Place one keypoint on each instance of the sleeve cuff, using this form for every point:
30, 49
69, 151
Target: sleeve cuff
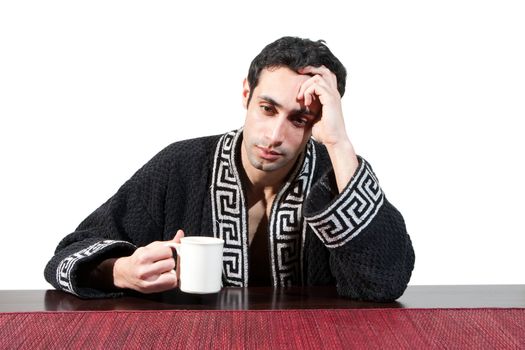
350, 212
66, 271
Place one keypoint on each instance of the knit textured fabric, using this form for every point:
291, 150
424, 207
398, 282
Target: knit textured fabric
355, 240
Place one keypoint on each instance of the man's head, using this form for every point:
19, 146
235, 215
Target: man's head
296, 53
279, 124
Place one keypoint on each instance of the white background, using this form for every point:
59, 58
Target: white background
90, 91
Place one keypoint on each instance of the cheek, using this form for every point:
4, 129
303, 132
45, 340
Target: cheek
297, 138
251, 120
252, 126
255, 122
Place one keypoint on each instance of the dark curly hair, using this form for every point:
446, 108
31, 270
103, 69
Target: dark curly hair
296, 53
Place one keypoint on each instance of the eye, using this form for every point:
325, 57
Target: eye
267, 109
300, 122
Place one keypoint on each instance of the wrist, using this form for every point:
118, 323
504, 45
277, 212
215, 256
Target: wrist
342, 145
118, 272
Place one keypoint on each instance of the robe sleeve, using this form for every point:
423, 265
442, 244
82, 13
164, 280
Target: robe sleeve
132, 217
371, 254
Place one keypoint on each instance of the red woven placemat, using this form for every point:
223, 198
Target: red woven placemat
278, 329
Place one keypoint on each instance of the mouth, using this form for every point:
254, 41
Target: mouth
268, 153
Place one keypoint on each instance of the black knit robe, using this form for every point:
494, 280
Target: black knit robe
355, 240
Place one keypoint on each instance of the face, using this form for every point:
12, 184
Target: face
278, 125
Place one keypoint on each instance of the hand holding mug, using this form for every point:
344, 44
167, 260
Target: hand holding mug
149, 269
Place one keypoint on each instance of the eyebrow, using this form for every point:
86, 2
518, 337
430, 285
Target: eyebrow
304, 111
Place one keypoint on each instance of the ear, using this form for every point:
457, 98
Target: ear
245, 93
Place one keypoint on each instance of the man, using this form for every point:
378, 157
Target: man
293, 202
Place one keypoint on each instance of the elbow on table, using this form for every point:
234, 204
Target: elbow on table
382, 293
378, 284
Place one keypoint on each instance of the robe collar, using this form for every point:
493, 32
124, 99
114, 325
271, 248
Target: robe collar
286, 224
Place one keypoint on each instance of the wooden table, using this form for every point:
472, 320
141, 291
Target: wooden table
464, 317
262, 298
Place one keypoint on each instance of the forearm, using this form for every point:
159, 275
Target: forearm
378, 263
344, 162
371, 255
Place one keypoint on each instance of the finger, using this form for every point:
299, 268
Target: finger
156, 251
304, 86
308, 98
316, 79
176, 239
163, 282
322, 70
178, 236
313, 92
327, 74
168, 279
149, 272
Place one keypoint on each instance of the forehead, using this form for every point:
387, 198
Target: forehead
280, 81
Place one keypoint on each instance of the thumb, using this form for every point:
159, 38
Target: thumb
178, 236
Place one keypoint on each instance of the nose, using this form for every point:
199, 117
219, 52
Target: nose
277, 131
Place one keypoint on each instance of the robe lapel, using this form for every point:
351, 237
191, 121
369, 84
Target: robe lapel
286, 227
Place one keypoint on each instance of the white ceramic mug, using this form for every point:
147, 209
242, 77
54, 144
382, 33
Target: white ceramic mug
200, 264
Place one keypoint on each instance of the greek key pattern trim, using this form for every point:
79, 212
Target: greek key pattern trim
67, 264
287, 225
352, 211
228, 211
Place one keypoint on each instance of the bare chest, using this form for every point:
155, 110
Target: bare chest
258, 217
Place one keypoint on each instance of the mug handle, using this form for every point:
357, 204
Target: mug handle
177, 248
174, 245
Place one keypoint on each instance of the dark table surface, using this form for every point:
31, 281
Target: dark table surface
262, 298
